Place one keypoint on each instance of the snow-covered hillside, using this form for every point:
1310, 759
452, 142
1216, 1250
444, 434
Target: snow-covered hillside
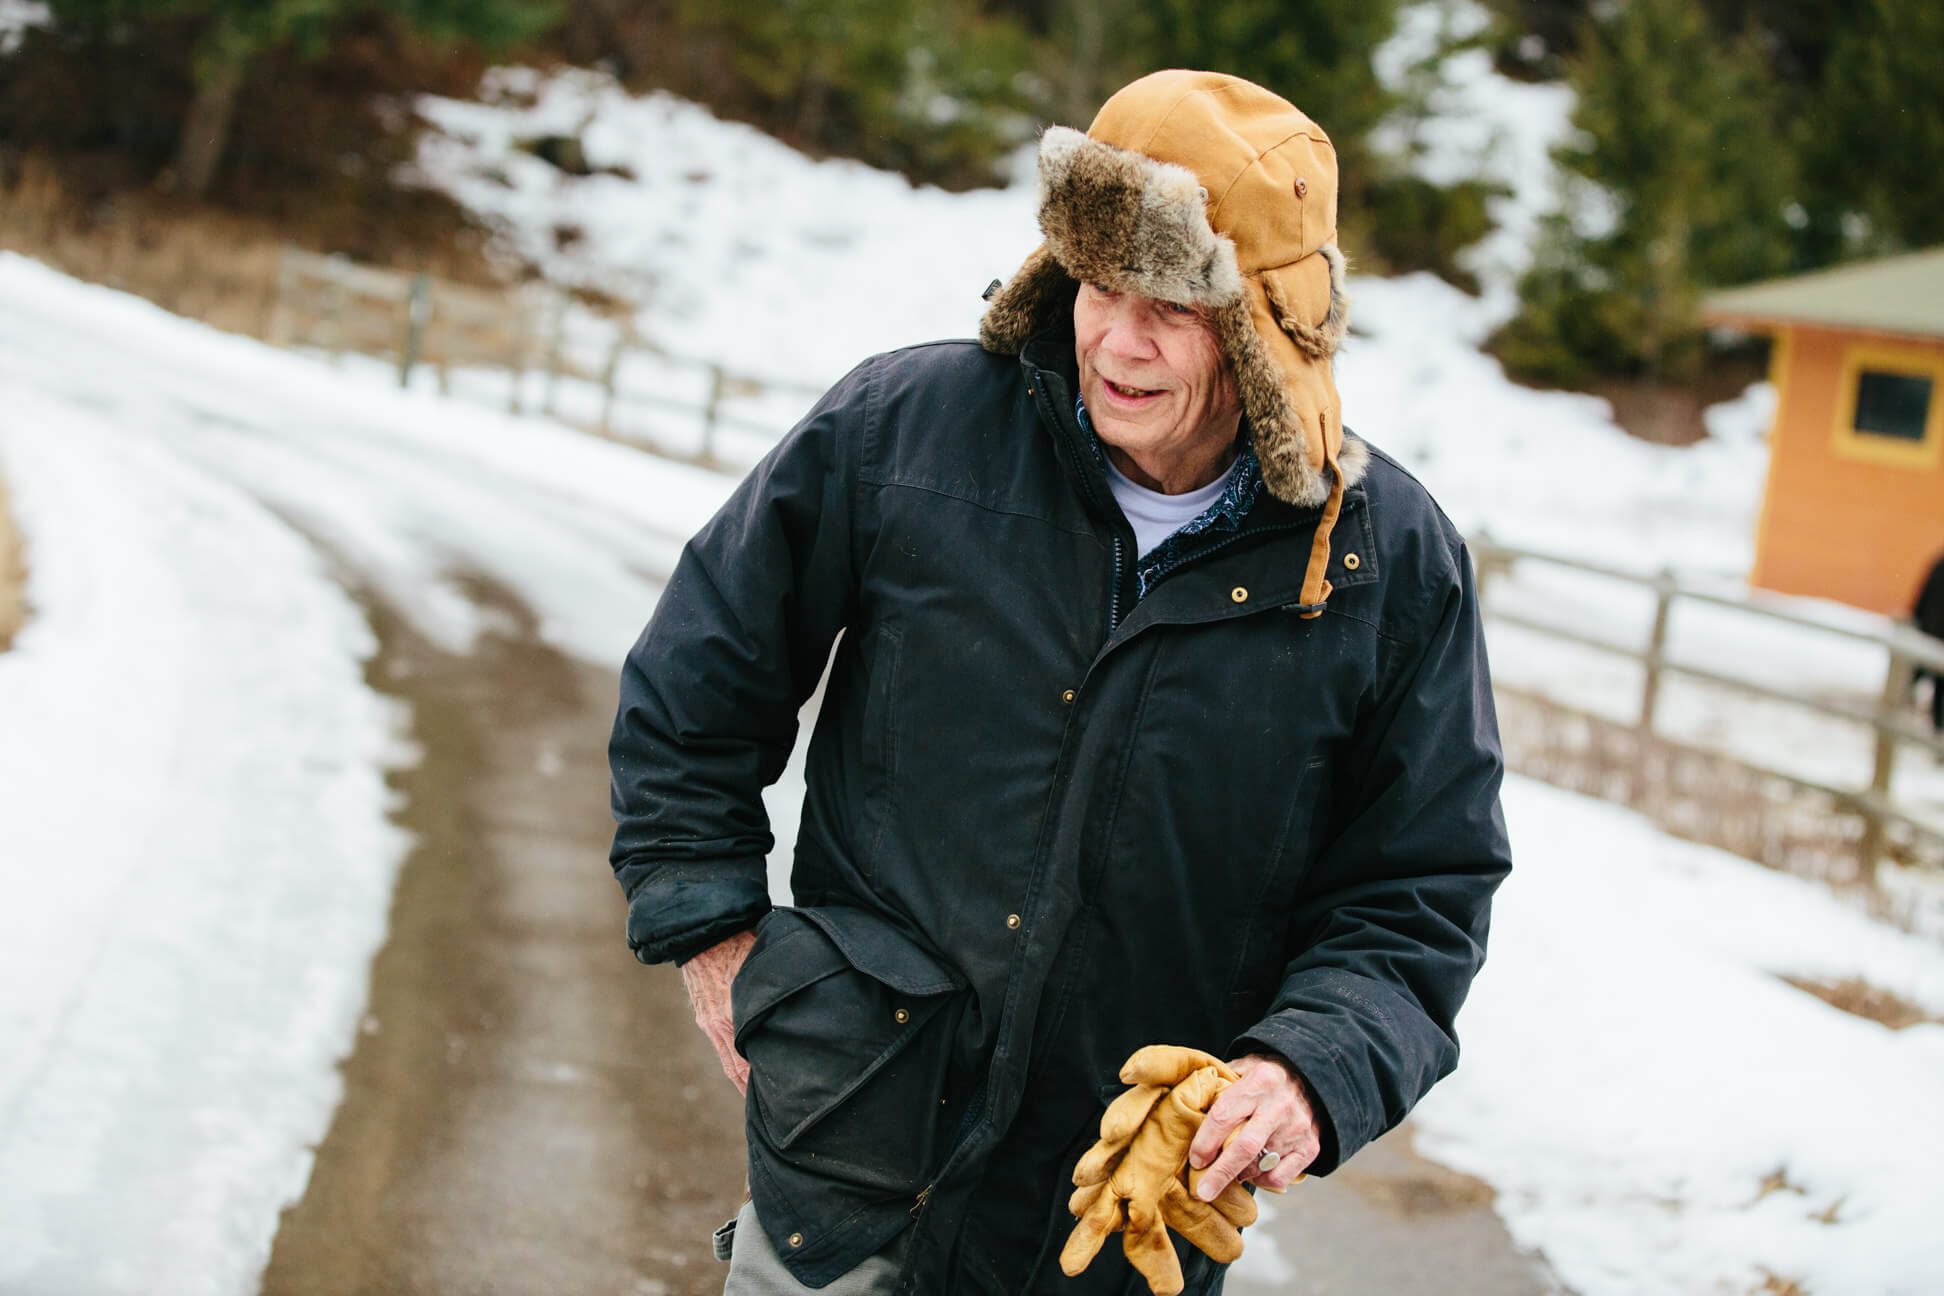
752, 256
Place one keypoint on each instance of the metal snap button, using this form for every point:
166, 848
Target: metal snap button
1012, 921
902, 1016
1302, 187
796, 1239
1352, 562
1067, 697
1239, 594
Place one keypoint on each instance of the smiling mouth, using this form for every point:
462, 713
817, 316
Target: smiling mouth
1131, 393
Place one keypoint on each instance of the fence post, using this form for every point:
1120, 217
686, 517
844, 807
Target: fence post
717, 381
333, 307
516, 359
418, 306
556, 331
279, 330
1481, 567
1656, 648
609, 373
1896, 692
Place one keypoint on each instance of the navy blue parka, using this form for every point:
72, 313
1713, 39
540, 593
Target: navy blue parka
1047, 823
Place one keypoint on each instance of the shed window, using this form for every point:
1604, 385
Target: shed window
1895, 405
1888, 411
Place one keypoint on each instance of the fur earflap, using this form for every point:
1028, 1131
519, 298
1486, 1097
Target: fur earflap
1318, 342
1025, 303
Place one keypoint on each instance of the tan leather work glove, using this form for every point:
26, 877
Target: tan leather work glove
1132, 1178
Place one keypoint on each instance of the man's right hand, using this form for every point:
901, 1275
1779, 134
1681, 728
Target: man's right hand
708, 977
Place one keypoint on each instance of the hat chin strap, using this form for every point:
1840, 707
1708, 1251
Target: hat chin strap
1316, 590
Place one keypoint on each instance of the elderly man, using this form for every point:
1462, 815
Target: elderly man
1159, 715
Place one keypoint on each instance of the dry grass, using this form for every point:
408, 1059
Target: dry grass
1861, 999
208, 263
13, 575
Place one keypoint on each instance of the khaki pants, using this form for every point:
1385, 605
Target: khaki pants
754, 1269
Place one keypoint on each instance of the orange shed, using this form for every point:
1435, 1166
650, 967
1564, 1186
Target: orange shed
1854, 509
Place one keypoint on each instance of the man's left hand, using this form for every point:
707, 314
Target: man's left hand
1270, 1109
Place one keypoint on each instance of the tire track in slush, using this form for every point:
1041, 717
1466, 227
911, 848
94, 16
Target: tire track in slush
527, 1109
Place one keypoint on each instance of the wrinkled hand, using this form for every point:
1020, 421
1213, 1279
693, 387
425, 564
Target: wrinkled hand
1270, 1108
1131, 1179
708, 977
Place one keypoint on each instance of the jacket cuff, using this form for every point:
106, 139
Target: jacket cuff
672, 918
1339, 1110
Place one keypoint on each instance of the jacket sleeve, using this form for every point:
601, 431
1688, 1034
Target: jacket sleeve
1385, 945
711, 691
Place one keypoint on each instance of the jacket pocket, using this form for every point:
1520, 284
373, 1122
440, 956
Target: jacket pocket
848, 1026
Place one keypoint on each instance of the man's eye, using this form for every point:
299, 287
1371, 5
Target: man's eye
1176, 308
1103, 290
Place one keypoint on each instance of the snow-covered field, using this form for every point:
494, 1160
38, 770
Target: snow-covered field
1658, 1110
194, 812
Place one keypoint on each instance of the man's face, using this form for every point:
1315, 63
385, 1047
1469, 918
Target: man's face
1156, 384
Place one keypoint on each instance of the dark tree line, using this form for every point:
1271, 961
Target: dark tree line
1717, 141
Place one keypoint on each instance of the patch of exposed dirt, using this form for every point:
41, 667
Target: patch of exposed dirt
527, 1109
1410, 1186
1861, 999
1671, 414
13, 575
210, 263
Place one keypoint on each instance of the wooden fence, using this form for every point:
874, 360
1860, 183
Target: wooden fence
1633, 762
529, 334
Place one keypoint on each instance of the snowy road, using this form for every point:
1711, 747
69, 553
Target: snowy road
198, 850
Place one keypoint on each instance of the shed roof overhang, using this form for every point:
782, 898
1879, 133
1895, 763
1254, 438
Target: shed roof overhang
1900, 295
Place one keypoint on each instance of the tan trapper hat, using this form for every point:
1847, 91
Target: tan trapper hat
1208, 190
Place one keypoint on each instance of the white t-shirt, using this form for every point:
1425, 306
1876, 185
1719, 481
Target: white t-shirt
1156, 516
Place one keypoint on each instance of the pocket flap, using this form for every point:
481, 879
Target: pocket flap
877, 949
789, 956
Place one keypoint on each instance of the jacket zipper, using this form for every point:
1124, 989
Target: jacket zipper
924, 1195
1114, 601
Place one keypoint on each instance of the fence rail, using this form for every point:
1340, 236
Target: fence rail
1889, 720
413, 320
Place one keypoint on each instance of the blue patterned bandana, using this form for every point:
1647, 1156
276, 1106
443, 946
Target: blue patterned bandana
1225, 514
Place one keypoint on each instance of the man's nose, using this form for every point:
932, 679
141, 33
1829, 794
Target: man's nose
1128, 334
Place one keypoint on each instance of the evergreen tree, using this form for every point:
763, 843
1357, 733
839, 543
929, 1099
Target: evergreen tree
1675, 182
928, 87
234, 33
1872, 135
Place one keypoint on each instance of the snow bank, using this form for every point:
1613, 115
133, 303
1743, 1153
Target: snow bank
196, 858
1657, 1108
